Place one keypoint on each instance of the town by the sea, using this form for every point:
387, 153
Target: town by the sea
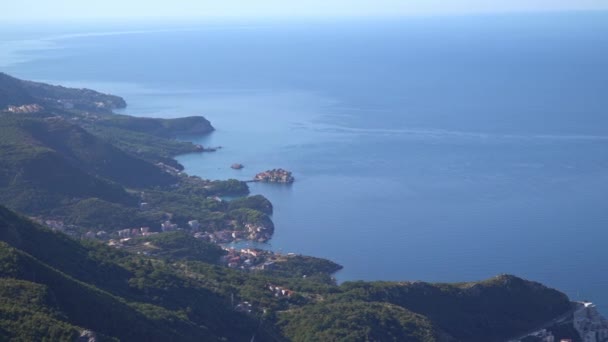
440, 149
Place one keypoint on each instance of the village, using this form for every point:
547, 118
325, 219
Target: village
244, 259
274, 176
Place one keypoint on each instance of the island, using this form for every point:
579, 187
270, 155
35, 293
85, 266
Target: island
275, 176
237, 166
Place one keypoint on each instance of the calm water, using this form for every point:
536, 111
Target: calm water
444, 149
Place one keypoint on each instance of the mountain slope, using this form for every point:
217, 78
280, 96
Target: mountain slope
132, 298
490, 310
49, 161
138, 297
28, 311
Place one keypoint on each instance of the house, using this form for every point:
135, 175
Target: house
125, 233
269, 265
55, 225
250, 251
89, 235
194, 224
167, 226
243, 307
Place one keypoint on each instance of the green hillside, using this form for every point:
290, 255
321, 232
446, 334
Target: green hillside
55, 168
132, 298
76, 166
154, 298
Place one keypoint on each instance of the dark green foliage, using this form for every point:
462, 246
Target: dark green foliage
28, 312
169, 298
168, 128
88, 264
50, 166
133, 299
147, 146
482, 311
245, 215
257, 202
356, 321
87, 306
47, 163
178, 245
38, 179
231, 187
81, 167
80, 149
310, 267
97, 214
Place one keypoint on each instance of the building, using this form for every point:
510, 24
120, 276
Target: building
194, 224
89, 235
125, 233
167, 226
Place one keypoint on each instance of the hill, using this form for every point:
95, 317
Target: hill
89, 168
166, 297
49, 161
95, 175
478, 311
132, 298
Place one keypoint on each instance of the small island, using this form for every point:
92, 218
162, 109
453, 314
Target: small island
275, 176
237, 166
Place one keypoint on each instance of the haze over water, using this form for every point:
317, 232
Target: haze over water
446, 149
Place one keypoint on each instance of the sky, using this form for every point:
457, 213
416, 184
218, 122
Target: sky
51, 10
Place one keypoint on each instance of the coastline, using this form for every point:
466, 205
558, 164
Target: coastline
415, 233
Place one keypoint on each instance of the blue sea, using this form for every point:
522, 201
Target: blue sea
432, 148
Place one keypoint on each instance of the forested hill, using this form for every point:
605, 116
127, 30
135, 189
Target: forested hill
53, 286
130, 254
50, 160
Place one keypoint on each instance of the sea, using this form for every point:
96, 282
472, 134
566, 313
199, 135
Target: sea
441, 149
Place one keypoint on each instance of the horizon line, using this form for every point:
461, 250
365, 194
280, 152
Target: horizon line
257, 18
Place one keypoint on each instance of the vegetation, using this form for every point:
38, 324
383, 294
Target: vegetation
257, 202
97, 214
357, 321
305, 266
52, 167
29, 313
171, 298
177, 246
167, 128
76, 161
147, 146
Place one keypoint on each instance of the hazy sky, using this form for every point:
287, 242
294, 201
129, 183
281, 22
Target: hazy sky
88, 9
